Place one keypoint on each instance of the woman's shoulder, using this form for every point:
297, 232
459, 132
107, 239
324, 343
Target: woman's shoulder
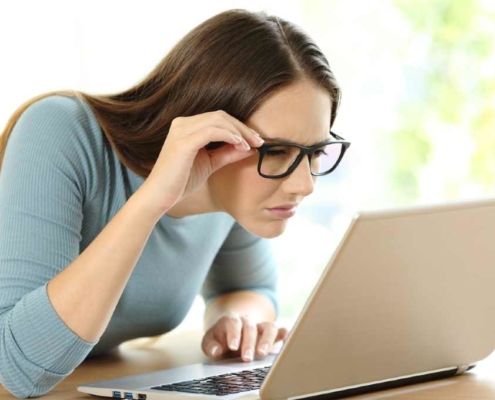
62, 111
63, 131
56, 101
65, 123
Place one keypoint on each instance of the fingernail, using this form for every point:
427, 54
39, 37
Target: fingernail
264, 349
248, 354
258, 137
214, 350
246, 145
237, 138
233, 344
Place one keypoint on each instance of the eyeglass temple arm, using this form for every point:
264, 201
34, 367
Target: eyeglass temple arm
336, 136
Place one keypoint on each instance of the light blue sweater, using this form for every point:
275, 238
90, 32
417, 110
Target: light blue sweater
60, 185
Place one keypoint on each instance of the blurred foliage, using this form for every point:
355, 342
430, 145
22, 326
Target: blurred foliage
454, 88
483, 162
411, 152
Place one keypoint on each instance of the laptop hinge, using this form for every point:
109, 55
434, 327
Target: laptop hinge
461, 369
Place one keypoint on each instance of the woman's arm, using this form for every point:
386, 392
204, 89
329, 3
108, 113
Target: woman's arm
86, 293
54, 302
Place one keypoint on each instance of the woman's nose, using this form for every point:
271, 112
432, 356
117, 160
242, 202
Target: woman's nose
300, 181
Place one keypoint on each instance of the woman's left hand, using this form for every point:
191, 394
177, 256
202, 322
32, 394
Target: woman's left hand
240, 335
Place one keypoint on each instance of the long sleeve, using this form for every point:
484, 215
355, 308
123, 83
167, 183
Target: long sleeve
244, 262
42, 186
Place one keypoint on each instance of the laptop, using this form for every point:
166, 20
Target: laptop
408, 296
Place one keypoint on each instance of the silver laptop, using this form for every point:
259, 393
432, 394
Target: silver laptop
408, 296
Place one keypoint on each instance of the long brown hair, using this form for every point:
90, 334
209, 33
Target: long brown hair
232, 61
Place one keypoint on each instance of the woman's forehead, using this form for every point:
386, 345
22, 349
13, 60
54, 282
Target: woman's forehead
297, 128
300, 114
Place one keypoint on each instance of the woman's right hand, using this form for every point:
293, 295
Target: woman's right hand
184, 164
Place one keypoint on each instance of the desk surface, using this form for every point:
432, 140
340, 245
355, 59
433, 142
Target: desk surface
183, 348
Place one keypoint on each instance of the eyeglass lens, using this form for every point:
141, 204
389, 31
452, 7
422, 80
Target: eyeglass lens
279, 159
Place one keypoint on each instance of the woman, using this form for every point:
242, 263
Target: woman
117, 210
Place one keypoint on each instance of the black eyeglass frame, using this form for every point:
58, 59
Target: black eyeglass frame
303, 151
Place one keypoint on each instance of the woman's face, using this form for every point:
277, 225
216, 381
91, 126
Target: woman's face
300, 114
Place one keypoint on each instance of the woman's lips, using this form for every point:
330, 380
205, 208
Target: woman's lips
285, 212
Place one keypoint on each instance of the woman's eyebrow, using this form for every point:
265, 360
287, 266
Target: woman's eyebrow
276, 139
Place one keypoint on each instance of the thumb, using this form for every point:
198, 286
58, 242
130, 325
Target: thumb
211, 347
283, 334
214, 349
228, 155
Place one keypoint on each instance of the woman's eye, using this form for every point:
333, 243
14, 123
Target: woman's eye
319, 153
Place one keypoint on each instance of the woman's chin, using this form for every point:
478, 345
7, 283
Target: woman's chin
267, 230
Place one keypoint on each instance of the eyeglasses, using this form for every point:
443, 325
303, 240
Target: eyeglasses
278, 160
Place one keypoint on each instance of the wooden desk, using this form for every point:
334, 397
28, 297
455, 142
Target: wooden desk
176, 349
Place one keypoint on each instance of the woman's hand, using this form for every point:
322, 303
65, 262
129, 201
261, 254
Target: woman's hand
239, 335
184, 164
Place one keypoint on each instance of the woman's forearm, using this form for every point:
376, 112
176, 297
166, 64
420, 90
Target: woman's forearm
86, 293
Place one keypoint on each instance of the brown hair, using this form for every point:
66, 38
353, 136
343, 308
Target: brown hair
232, 61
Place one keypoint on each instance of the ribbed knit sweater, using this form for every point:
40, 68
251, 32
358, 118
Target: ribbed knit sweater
60, 185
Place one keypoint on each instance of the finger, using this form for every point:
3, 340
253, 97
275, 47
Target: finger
249, 336
226, 155
248, 133
233, 331
283, 334
215, 134
221, 117
215, 349
267, 334
221, 120
210, 346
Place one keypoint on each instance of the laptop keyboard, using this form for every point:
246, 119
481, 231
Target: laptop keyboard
221, 385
